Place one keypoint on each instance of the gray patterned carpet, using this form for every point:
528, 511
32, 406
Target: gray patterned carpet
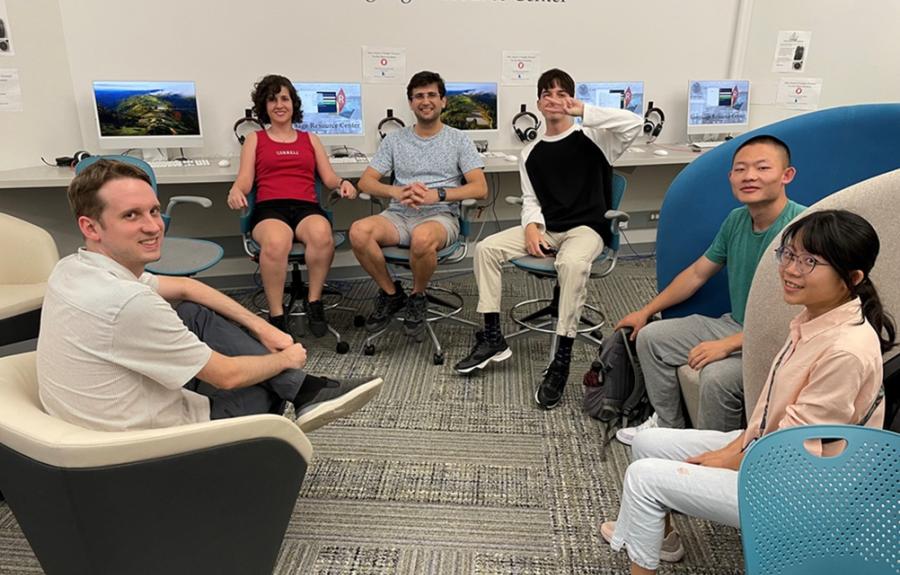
444, 474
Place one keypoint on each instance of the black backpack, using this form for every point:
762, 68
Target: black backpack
614, 390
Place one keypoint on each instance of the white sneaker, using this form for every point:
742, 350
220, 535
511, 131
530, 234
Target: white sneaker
626, 434
672, 550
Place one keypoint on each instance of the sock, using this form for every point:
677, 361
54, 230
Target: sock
492, 325
564, 351
308, 390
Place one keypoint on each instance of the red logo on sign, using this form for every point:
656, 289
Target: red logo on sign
341, 100
383, 62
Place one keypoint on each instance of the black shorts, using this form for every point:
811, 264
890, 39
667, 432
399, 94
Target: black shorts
290, 212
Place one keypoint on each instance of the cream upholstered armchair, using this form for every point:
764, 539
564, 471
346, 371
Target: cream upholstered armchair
212, 497
29, 255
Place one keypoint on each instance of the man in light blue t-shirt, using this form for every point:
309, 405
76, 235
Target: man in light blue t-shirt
761, 168
434, 167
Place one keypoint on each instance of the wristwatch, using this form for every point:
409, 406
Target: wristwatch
442, 195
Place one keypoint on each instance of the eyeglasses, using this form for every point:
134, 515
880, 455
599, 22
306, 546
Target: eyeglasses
419, 96
804, 264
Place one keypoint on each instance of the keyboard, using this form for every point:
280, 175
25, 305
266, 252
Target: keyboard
179, 163
500, 155
350, 160
706, 145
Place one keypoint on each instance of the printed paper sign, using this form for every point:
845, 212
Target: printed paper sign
521, 67
387, 65
791, 51
799, 93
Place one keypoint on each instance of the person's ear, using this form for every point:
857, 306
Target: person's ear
856, 277
788, 176
89, 228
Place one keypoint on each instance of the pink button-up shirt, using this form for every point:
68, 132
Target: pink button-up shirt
829, 371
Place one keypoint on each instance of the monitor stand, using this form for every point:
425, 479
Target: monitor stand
154, 154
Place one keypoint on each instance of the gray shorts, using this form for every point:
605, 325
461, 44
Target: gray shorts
406, 222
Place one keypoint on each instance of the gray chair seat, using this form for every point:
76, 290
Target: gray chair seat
185, 257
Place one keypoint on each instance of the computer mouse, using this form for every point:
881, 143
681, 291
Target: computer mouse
660, 153
511, 158
224, 163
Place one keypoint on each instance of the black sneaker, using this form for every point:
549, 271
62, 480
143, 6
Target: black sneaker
549, 392
315, 318
333, 399
485, 351
279, 321
416, 313
386, 306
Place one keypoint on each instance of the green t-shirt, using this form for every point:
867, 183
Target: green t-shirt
740, 248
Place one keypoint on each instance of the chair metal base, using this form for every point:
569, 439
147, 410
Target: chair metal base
439, 309
545, 319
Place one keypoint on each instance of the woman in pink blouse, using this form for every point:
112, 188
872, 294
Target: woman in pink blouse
829, 371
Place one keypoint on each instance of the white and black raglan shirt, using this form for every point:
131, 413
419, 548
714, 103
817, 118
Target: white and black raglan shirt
567, 178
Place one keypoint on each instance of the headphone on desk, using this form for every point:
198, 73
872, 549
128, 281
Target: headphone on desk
389, 119
530, 133
653, 121
247, 121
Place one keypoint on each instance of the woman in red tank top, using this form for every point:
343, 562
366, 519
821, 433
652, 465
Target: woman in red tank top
282, 163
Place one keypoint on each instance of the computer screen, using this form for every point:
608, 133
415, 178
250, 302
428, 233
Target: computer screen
718, 106
147, 114
621, 95
471, 105
331, 108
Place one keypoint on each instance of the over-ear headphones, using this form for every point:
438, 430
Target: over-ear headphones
653, 121
246, 124
530, 133
389, 119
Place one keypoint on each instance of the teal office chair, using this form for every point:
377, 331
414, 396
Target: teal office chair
298, 292
443, 304
180, 256
807, 515
544, 319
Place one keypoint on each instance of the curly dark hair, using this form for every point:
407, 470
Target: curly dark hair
266, 89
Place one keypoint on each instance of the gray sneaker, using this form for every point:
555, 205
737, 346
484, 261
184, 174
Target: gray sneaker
672, 550
334, 400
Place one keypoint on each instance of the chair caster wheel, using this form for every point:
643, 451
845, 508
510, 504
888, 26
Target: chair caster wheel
343, 347
369, 349
438, 359
359, 321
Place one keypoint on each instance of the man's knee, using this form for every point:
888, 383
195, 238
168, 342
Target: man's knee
424, 242
361, 233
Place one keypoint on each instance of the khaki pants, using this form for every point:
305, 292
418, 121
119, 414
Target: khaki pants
578, 248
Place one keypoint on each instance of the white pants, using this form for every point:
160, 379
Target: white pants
658, 481
578, 248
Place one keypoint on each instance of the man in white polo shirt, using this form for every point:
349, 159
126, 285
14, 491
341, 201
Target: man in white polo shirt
114, 354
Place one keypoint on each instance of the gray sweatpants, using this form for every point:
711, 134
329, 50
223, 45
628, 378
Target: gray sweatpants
228, 339
663, 347
578, 248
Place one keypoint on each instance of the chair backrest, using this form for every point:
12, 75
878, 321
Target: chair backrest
29, 253
802, 514
831, 149
768, 316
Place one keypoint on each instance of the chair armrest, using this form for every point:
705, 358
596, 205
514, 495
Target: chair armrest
616, 216
513, 200
175, 200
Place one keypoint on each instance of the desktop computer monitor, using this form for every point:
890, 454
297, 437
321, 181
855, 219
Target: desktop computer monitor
147, 115
718, 106
331, 108
471, 105
621, 95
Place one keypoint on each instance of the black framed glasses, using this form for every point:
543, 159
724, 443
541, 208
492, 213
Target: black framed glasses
804, 264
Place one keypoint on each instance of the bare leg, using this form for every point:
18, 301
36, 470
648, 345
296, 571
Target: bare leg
638, 570
426, 240
315, 233
274, 238
367, 237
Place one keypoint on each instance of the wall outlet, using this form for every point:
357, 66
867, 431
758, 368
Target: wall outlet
654, 216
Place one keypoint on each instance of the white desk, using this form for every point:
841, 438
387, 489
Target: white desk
53, 177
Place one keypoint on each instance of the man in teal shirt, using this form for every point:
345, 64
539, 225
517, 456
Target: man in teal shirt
761, 168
